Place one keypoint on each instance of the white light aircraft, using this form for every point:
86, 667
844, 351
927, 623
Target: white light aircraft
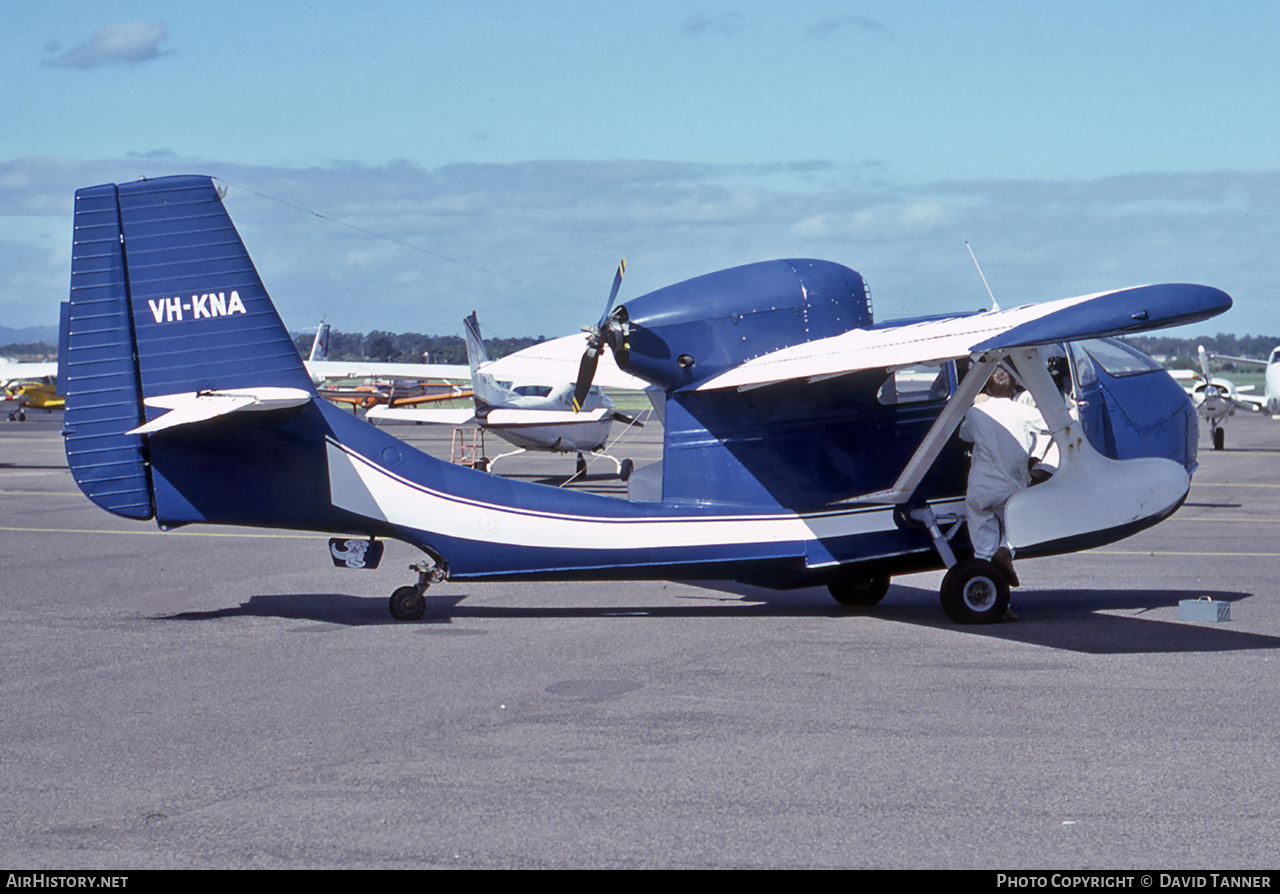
1216, 399
513, 400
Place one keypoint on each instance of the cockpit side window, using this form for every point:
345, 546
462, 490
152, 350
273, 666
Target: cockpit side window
1118, 359
1082, 369
915, 384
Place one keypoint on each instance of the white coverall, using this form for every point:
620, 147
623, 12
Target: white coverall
1003, 433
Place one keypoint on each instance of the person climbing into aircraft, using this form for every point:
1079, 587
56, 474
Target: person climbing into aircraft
1003, 432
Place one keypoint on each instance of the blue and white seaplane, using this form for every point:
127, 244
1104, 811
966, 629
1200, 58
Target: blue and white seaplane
803, 443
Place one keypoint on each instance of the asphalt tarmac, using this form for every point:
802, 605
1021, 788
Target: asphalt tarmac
218, 697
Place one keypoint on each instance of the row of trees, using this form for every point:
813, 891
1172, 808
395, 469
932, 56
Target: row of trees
36, 351
408, 347
1184, 352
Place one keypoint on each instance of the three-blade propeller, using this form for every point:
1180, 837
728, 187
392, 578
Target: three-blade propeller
597, 337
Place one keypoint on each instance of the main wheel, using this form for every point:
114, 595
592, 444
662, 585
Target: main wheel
859, 593
975, 592
625, 469
582, 466
1219, 438
407, 604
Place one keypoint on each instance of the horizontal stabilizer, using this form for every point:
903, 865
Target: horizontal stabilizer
199, 406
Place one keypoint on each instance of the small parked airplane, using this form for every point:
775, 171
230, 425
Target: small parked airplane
799, 447
1271, 384
525, 410
1217, 398
30, 392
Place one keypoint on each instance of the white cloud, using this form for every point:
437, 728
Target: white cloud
532, 246
119, 44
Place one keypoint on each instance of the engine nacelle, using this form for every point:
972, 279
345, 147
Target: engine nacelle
693, 330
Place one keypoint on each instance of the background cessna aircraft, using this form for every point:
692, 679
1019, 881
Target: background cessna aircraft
1216, 398
512, 399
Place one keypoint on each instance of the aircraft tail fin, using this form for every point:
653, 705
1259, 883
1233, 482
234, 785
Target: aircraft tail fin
320, 347
164, 301
477, 356
483, 387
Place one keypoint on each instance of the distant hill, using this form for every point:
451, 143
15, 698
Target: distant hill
45, 334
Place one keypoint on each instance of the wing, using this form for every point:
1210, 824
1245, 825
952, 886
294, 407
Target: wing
381, 415
1247, 361
1102, 314
360, 369
502, 417
556, 361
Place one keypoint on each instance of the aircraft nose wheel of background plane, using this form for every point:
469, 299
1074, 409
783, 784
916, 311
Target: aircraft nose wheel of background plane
1219, 438
859, 593
975, 591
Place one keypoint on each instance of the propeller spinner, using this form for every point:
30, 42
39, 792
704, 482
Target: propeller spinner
597, 337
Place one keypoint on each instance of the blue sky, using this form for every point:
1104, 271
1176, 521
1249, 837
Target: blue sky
510, 153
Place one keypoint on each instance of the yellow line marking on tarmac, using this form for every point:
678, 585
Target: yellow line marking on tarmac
1229, 484
1200, 518
165, 533
1161, 552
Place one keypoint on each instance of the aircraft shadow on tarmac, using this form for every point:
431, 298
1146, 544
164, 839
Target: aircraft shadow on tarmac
1074, 620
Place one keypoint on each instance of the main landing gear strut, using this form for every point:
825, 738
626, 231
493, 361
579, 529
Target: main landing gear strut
410, 603
974, 591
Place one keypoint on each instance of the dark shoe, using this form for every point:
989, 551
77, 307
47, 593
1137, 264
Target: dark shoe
1004, 561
